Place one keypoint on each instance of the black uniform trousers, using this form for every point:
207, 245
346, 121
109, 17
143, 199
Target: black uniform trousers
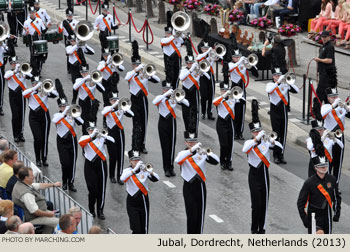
337, 163
95, 173
167, 137
107, 84
195, 196
207, 91
192, 111
172, 69
103, 40
137, 207
18, 109
240, 110
323, 219
2, 85
259, 186
139, 106
225, 129
85, 110
322, 86
116, 151
279, 123
67, 151
36, 61
15, 28
39, 122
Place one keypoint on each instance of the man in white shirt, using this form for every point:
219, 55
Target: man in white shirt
258, 6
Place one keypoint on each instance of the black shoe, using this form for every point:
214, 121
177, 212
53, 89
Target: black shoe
144, 150
1, 112
223, 167
17, 139
74, 101
72, 188
45, 163
64, 187
167, 173
283, 161
93, 213
100, 215
21, 138
236, 137
113, 180
241, 137
277, 160
211, 118
38, 163
229, 166
172, 173
120, 182
203, 116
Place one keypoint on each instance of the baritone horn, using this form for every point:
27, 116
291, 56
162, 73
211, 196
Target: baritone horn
75, 111
236, 93
96, 76
290, 78
117, 59
180, 21
149, 70
84, 30
4, 31
251, 61
25, 68
124, 104
47, 86
178, 95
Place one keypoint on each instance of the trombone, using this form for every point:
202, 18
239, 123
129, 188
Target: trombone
178, 95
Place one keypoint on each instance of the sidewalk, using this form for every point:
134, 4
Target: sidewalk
297, 130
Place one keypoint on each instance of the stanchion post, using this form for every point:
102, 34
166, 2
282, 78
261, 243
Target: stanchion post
86, 11
146, 33
114, 13
304, 85
217, 71
59, 4
99, 7
129, 18
308, 103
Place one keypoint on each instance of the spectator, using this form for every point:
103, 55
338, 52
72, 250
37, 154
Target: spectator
12, 181
8, 158
12, 224
283, 12
76, 213
4, 145
67, 224
278, 54
248, 5
95, 230
264, 5
26, 228
6, 211
26, 195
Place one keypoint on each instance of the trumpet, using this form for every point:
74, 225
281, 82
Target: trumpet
146, 167
96, 76
124, 104
47, 87
219, 51
345, 105
337, 134
148, 71
25, 68
204, 151
289, 78
202, 67
117, 59
4, 31
271, 137
178, 95
102, 133
75, 111
251, 61
180, 21
236, 93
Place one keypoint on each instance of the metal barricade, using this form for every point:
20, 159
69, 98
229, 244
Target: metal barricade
56, 195
110, 231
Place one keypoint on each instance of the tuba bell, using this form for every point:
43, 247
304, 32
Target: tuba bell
124, 104
47, 87
4, 31
117, 59
180, 21
75, 111
178, 95
251, 61
96, 76
25, 68
149, 70
236, 93
84, 30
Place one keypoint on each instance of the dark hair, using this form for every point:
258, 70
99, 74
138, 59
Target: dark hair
65, 221
324, 4
24, 172
8, 155
16, 166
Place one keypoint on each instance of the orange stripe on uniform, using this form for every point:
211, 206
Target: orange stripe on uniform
85, 142
107, 25
334, 113
197, 168
68, 126
87, 90
218, 101
183, 160
262, 157
281, 96
328, 155
19, 82
141, 85
115, 117
97, 151
76, 55
42, 105
194, 81
139, 184
35, 28
325, 194
175, 48
170, 108
240, 74
229, 110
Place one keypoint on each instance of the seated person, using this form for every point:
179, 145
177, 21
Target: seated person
12, 224
13, 180
26, 228
76, 213
291, 8
6, 211
8, 158
263, 5
26, 195
67, 222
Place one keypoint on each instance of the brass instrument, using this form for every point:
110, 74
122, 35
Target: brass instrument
124, 104
219, 51
236, 93
96, 76
289, 78
180, 21
148, 71
271, 137
202, 67
4, 31
204, 151
337, 134
102, 133
251, 61
25, 68
75, 111
178, 95
345, 105
47, 87
84, 30
117, 59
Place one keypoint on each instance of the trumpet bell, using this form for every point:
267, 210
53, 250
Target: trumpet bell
48, 86
117, 59
338, 133
273, 135
4, 31
220, 50
25, 68
149, 70
179, 95
236, 93
290, 78
84, 30
149, 166
252, 60
96, 76
75, 111
124, 103
180, 21
204, 66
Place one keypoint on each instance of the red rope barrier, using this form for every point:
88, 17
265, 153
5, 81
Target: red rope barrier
116, 16
150, 30
132, 20
94, 12
194, 49
78, 3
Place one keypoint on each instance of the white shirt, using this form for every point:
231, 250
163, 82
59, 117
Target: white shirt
142, 176
33, 103
168, 49
238, 66
329, 121
83, 94
108, 112
29, 199
72, 24
37, 22
284, 88
186, 81
327, 143
222, 110
12, 84
253, 158
61, 128
43, 16
108, 70
160, 102
134, 88
101, 25
271, 2
89, 153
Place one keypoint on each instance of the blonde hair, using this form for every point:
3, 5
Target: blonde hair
6, 206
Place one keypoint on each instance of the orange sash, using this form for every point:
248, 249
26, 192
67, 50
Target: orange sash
97, 151
0, 64
107, 25
68, 126
88, 91
328, 155
141, 85
35, 28
115, 117
19, 82
281, 96
175, 48
76, 55
37, 15
325, 194
139, 185
216, 103
170, 108
196, 167
341, 126
261, 156
37, 98
109, 70
194, 81
240, 74
211, 70
229, 110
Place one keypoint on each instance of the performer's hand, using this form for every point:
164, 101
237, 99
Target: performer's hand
260, 135
94, 133
137, 167
227, 93
139, 68
196, 147
37, 86
324, 135
87, 77
193, 67
280, 79
17, 68
169, 92
66, 110
336, 102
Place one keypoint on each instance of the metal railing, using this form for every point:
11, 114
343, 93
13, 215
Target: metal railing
60, 199
110, 231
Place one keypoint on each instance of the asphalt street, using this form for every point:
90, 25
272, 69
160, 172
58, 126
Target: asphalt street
228, 198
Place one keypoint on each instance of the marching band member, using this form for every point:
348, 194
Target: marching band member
95, 167
34, 27
42, 14
193, 171
16, 82
114, 114
39, 118
278, 94
136, 178
105, 24
86, 91
334, 115
190, 84
138, 86
3, 51
224, 125
239, 77
257, 150
166, 104
207, 85
14, 18
319, 195
67, 146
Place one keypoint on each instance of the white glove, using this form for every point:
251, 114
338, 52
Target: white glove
87, 77
196, 147
185, 102
324, 135
37, 86
280, 79
227, 93
17, 68
260, 135
150, 170
108, 59
94, 133
121, 68
137, 167
336, 102
193, 67
115, 104
139, 68
66, 110
169, 92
